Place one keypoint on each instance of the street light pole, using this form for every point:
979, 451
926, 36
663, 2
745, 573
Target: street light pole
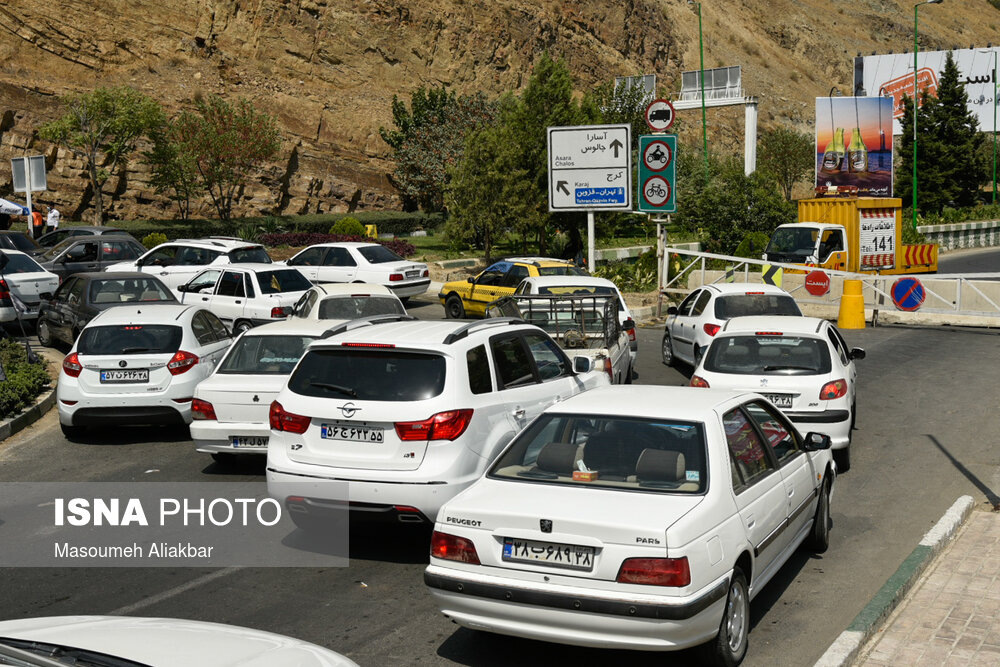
916, 101
994, 127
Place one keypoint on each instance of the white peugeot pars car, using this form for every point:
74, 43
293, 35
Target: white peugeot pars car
138, 365
358, 262
347, 302
409, 412
634, 517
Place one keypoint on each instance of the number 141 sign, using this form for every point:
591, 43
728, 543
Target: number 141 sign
877, 233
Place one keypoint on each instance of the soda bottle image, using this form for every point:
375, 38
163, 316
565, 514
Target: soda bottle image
857, 153
833, 156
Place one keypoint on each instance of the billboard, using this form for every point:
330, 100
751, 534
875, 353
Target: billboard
854, 144
891, 75
721, 83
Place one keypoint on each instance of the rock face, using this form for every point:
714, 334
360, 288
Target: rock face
327, 69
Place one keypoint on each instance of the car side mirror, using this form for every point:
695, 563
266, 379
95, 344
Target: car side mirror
184, 288
858, 353
817, 441
672, 310
470, 279
628, 324
47, 296
582, 365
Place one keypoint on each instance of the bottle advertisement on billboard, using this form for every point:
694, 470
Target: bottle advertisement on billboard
854, 144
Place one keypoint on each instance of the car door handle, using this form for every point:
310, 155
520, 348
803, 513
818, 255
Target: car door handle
518, 413
791, 492
751, 523
239, 302
204, 298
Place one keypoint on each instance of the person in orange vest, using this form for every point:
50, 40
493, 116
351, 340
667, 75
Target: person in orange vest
37, 223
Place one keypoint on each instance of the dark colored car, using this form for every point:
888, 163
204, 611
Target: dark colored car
15, 240
63, 233
90, 253
82, 296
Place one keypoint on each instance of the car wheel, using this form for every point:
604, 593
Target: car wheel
44, 334
819, 536
241, 327
224, 458
730, 645
842, 457
71, 432
667, 350
453, 307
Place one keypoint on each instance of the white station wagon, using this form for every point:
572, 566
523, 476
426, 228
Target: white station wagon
636, 518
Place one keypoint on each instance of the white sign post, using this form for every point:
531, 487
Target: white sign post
590, 169
29, 176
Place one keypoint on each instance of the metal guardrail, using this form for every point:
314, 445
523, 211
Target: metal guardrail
975, 294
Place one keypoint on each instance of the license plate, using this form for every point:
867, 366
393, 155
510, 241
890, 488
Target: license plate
780, 400
351, 433
248, 441
129, 376
546, 553
413, 274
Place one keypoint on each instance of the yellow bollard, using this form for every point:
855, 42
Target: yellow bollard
852, 306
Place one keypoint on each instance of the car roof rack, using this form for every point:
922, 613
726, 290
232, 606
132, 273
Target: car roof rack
364, 322
465, 330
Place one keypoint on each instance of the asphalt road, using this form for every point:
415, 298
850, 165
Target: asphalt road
925, 436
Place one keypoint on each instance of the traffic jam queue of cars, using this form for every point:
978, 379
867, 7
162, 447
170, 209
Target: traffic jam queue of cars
564, 509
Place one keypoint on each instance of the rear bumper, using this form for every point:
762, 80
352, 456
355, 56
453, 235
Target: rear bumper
411, 288
214, 437
151, 414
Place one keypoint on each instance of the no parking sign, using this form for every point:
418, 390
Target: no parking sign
908, 294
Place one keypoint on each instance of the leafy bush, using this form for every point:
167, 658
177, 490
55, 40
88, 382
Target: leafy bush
752, 245
153, 240
398, 246
24, 382
349, 226
637, 276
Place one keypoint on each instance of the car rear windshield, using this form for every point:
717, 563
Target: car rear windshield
378, 254
568, 270
282, 280
251, 254
126, 290
369, 374
739, 305
21, 264
353, 307
264, 355
22, 242
768, 354
633, 454
130, 339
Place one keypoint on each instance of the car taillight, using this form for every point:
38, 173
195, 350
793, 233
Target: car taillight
426, 273
655, 571
395, 277
442, 426
698, 382
278, 311
712, 329
72, 366
453, 547
282, 420
202, 410
832, 390
4, 290
609, 369
181, 362
380, 346
631, 334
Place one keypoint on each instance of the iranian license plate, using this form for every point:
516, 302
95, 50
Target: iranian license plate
248, 441
547, 553
351, 433
413, 274
780, 400
125, 376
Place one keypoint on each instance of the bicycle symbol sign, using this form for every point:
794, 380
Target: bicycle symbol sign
656, 191
657, 155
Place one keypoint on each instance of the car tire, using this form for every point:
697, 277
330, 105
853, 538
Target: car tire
819, 537
842, 457
729, 647
667, 350
454, 309
241, 326
44, 334
224, 458
71, 432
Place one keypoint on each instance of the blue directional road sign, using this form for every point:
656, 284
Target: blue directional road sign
657, 170
590, 168
908, 294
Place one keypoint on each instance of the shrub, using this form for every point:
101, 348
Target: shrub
752, 245
348, 226
153, 240
637, 276
398, 246
24, 380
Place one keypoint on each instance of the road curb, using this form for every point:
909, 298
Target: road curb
29, 415
870, 620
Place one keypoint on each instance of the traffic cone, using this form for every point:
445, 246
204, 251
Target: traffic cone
852, 306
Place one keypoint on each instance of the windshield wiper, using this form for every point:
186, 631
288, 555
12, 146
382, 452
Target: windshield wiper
133, 350
789, 368
340, 389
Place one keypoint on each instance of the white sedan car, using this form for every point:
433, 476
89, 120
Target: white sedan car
138, 365
246, 295
23, 278
347, 302
801, 364
230, 407
357, 262
634, 517
692, 325
164, 642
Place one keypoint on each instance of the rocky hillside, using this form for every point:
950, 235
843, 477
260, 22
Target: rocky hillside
328, 70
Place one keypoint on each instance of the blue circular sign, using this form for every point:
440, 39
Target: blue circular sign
908, 294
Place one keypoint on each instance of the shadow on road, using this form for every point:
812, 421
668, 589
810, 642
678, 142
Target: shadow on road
991, 495
390, 543
131, 435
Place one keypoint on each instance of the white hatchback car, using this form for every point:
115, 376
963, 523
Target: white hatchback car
801, 364
230, 407
331, 301
358, 262
176, 262
138, 365
410, 412
23, 278
692, 325
634, 517
246, 295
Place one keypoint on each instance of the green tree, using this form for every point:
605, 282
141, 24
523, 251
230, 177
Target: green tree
951, 167
174, 167
226, 142
786, 156
102, 127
